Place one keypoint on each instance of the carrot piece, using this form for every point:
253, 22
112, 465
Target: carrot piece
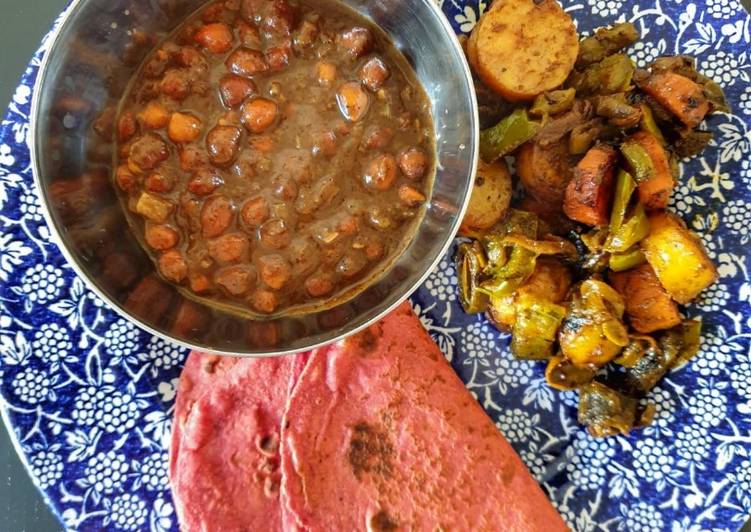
589, 194
648, 306
654, 192
681, 96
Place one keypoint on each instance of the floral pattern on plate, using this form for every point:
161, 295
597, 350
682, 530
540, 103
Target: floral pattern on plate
89, 396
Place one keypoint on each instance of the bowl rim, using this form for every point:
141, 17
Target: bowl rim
56, 234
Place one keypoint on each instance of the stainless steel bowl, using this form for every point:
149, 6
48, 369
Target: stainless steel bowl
94, 52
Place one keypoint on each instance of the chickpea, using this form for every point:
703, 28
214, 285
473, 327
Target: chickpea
353, 101
356, 41
172, 266
374, 73
236, 280
216, 37
259, 114
176, 84
246, 62
255, 211
147, 152
411, 196
377, 137
274, 270
278, 57
380, 173
413, 163
234, 89
154, 116
159, 182
319, 285
264, 301
222, 144
231, 247
184, 127
216, 216
125, 179
161, 237
126, 127
204, 182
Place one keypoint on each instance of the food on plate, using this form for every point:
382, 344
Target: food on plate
587, 267
399, 443
375, 432
275, 157
226, 469
492, 188
522, 48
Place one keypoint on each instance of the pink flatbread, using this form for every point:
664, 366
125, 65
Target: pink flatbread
227, 470
200, 373
380, 434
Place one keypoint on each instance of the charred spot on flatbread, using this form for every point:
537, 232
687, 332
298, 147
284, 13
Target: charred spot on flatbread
382, 522
370, 451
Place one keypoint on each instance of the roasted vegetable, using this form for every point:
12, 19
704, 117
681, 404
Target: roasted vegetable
686, 66
650, 165
583, 136
535, 327
553, 102
545, 172
606, 412
563, 374
588, 195
681, 96
691, 143
522, 48
592, 332
611, 75
470, 261
637, 347
507, 135
624, 189
606, 41
555, 129
618, 111
648, 306
678, 257
491, 196
632, 258
649, 124
627, 226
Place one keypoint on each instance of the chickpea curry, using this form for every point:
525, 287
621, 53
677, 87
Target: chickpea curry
275, 156
586, 267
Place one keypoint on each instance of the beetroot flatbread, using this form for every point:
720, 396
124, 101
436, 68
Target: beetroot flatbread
227, 469
380, 434
200, 373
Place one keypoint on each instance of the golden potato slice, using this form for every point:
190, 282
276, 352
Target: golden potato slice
522, 48
491, 196
678, 257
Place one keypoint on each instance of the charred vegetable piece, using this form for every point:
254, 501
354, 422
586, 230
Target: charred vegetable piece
606, 41
650, 164
562, 374
632, 258
690, 331
507, 135
678, 257
624, 189
545, 172
470, 261
679, 94
592, 332
693, 142
509, 274
535, 328
606, 412
491, 196
589, 193
553, 103
635, 350
611, 75
649, 124
648, 306
633, 230
583, 136
618, 111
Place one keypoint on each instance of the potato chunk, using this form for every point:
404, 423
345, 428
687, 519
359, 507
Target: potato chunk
490, 199
522, 48
678, 257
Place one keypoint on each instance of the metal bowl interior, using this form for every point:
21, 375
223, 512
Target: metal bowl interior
93, 54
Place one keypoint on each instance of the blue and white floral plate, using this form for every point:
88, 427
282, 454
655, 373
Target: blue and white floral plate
89, 397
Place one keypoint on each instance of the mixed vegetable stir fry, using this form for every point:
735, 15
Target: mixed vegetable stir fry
587, 269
